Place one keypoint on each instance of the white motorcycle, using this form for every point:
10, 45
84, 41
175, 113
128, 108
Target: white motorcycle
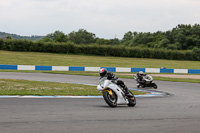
114, 94
148, 82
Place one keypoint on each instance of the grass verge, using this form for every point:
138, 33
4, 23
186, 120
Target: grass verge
26, 87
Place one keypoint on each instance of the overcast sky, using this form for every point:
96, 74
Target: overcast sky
105, 18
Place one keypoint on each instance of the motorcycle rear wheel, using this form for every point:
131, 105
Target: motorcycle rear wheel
110, 98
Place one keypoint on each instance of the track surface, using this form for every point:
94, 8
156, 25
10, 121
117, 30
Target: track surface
178, 113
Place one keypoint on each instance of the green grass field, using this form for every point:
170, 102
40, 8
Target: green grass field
50, 59
25, 87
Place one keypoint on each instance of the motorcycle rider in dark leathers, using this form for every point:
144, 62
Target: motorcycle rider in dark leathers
140, 75
110, 76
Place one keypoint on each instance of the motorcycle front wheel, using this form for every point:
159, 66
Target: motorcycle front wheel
155, 86
132, 100
110, 97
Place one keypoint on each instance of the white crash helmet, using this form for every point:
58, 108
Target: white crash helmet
141, 73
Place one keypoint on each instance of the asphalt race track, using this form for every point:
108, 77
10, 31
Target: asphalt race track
177, 113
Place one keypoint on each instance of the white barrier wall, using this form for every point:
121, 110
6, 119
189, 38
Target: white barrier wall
60, 68
25, 67
180, 70
153, 70
96, 69
118, 69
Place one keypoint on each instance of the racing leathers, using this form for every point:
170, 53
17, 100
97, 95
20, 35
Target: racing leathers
140, 78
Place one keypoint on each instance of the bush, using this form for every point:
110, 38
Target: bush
196, 52
1, 44
102, 50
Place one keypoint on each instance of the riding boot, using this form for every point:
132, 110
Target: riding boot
127, 92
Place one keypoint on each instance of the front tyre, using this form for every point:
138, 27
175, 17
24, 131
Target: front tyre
132, 100
154, 86
110, 97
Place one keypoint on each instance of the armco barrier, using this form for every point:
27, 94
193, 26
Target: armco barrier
110, 69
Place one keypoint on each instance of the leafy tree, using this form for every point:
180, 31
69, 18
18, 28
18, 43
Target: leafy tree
172, 46
142, 38
82, 37
127, 36
46, 39
163, 43
182, 37
102, 41
115, 41
196, 52
186, 36
57, 36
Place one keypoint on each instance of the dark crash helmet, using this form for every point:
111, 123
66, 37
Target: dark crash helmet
103, 72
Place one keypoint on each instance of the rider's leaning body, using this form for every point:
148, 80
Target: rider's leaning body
140, 77
110, 76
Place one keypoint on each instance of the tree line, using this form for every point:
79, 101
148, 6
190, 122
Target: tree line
182, 42
182, 37
101, 50
80, 37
